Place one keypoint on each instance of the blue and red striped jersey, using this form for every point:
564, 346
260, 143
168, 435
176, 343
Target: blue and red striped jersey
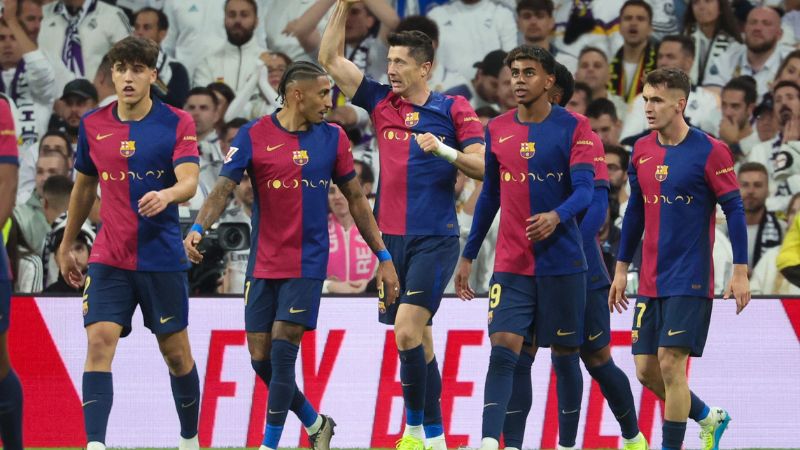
291, 174
132, 158
675, 190
530, 166
9, 154
416, 191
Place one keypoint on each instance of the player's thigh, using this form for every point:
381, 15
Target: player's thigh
259, 345
430, 263
685, 323
260, 304
512, 305
597, 322
298, 301
108, 296
560, 309
177, 351
164, 299
647, 323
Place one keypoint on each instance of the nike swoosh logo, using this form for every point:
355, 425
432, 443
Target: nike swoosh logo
513, 412
274, 147
410, 293
165, 319
504, 138
90, 401
643, 160
569, 412
276, 412
100, 137
489, 404
406, 384
190, 404
591, 338
673, 333
295, 311
564, 333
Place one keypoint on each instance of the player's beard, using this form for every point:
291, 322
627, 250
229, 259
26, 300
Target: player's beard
240, 36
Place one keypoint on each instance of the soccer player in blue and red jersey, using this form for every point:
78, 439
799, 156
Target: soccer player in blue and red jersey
678, 174
595, 351
144, 155
423, 138
291, 157
10, 387
540, 174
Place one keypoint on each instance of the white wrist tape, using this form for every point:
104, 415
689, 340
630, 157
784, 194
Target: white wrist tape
446, 152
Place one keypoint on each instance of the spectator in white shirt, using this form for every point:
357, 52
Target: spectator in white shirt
203, 106
483, 90
536, 26
78, 98
738, 103
80, 32
761, 56
238, 57
196, 28
469, 29
714, 30
258, 96
702, 106
594, 70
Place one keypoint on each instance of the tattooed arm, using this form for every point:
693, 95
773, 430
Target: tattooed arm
209, 213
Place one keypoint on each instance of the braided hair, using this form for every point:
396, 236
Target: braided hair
298, 71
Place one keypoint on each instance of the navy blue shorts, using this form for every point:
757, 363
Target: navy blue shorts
597, 328
294, 300
549, 308
424, 265
5, 305
111, 295
680, 321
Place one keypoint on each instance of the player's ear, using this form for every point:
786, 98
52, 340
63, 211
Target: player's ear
426, 68
550, 82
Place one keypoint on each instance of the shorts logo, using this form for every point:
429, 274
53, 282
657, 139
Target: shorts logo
127, 148
559, 332
164, 320
410, 293
300, 157
491, 316
592, 338
673, 333
85, 307
381, 307
292, 310
412, 119
661, 172
634, 336
527, 149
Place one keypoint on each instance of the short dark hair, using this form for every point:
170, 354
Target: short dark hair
745, 84
223, 89
600, 106
487, 111
420, 45
132, 50
640, 3
55, 154
671, 77
200, 90
367, 175
298, 71
624, 156
786, 83
687, 44
57, 187
250, 2
581, 86
537, 54
238, 122
57, 133
753, 166
419, 23
565, 82
590, 49
795, 54
163, 21
535, 6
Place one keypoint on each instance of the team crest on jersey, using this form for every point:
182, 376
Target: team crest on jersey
300, 157
527, 149
127, 148
661, 172
412, 119
634, 336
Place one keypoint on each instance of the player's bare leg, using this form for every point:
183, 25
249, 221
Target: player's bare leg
432, 422
10, 400
278, 350
185, 384
672, 361
409, 328
98, 387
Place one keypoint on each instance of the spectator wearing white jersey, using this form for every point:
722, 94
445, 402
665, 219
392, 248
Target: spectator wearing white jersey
714, 30
536, 26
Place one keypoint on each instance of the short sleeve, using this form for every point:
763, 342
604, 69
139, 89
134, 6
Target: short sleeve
343, 170
720, 174
370, 93
83, 158
9, 153
600, 167
239, 155
186, 150
584, 147
468, 127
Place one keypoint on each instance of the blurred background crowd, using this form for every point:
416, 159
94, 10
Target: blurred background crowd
222, 60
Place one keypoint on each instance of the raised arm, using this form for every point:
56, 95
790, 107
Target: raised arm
304, 28
41, 75
386, 15
331, 52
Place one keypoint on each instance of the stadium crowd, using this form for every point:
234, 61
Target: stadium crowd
221, 61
